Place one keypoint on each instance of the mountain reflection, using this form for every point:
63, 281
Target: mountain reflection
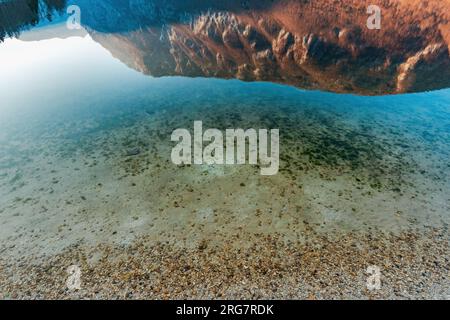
19, 15
322, 44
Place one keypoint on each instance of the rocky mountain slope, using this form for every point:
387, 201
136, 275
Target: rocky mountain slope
310, 44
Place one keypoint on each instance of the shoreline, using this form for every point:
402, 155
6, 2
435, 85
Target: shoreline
412, 266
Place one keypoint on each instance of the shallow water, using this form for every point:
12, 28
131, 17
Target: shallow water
348, 163
86, 176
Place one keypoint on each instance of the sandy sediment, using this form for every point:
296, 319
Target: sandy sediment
411, 266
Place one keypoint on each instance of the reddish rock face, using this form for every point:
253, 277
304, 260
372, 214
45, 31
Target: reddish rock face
318, 45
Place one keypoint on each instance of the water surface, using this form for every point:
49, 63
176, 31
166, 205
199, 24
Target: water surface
71, 113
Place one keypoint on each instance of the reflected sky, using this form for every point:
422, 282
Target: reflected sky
35, 73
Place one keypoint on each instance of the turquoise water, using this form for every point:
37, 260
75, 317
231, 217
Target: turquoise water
82, 90
71, 114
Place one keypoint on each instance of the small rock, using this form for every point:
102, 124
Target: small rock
203, 245
133, 152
